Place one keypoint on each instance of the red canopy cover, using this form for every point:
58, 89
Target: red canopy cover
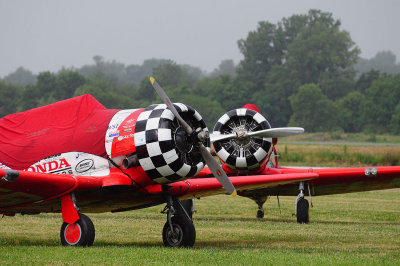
77, 124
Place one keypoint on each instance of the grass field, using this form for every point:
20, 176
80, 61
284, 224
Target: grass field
357, 228
347, 229
343, 137
338, 155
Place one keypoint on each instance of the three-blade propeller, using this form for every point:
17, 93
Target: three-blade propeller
213, 165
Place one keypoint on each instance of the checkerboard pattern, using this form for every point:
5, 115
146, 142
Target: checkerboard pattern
256, 154
155, 145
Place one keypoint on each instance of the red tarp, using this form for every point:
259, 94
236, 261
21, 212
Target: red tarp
77, 124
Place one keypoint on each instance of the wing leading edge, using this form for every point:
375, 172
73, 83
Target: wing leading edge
24, 187
200, 187
345, 180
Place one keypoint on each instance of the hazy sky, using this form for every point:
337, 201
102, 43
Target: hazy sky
45, 35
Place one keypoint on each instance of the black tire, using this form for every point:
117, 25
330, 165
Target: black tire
188, 206
91, 233
184, 228
81, 233
260, 214
303, 211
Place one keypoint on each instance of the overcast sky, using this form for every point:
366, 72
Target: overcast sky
49, 34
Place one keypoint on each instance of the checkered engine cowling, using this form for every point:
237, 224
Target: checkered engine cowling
156, 146
246, 154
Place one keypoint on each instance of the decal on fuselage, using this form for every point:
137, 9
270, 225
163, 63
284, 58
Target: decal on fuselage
54, 165
73, 163
119, 138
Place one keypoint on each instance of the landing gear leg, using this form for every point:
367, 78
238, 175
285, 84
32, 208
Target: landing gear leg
302, 208
179, 230
260, 202
260, 212
188, 205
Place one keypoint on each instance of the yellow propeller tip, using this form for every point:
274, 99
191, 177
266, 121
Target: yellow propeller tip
152, 80
234, 193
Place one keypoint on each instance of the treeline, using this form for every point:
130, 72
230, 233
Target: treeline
303, 71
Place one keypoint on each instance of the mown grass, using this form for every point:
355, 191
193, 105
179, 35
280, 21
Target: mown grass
338, 155
347, 229
358, 228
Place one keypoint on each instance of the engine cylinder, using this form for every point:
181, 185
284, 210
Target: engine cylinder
243, 153
164, 150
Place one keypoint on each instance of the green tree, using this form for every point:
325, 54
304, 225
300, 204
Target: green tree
300, 49
107, 93
21, 76
383, 61
67, 81
273, 100
395, 120
145, 94
225, 67
10, 95
33, 95
223, 90
172, 77
322, 52
260, 51
46, 82
210, 110
380, 102
171, 74
50, 88
195, 73
349, 113
366, 79
313, 110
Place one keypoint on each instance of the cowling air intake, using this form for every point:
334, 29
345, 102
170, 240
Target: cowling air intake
165, 152
243, 153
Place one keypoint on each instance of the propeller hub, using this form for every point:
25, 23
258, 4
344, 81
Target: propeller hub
242, 137
183, 141
202, 135
241, 133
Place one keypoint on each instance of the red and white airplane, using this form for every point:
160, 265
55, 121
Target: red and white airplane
76, 156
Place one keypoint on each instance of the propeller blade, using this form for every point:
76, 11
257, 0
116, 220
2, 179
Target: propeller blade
217, 170
266, 133
171, 107
217, 137
277, 132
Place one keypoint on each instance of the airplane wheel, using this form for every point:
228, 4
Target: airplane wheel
91, 232
81, 233
303, 211
260, 214
185, 233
